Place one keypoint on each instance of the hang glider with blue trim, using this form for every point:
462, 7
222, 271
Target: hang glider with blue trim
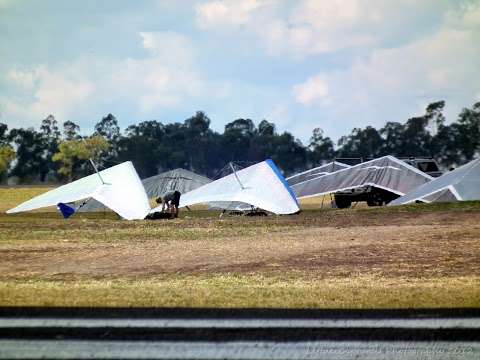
118, 188
260, 186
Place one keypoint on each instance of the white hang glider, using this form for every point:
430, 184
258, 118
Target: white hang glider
387, 173
460, 184
159, 185
260, 185
316, 172
118, 188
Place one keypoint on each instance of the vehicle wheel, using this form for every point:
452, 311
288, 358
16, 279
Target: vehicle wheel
342, 203
375, 200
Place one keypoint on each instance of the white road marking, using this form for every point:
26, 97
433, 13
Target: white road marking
471, 323
377, 350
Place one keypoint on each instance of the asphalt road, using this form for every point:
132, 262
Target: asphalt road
239, 334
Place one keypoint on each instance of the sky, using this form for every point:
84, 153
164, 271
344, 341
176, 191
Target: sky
333, 64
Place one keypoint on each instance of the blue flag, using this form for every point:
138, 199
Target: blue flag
66, 210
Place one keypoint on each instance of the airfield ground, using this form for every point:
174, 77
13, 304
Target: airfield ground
390, 257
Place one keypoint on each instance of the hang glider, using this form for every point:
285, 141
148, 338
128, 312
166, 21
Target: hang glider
316, 172
260, 186
387, 173
460, 184
118, 188
158, 185
179, 179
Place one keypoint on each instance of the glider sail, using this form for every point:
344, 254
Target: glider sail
260, 185
179, 179
387, 173
460, 184
316, 172
121, 190
159, 185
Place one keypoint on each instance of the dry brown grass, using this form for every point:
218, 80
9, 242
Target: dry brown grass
12, 196
247, 291
419, 256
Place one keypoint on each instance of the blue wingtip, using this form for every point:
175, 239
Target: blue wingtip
282, 179
66, 210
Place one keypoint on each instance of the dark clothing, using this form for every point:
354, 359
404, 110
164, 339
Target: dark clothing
168, 197
176, 198
173, 198
158, 215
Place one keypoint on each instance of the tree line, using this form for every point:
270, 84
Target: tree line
58, 153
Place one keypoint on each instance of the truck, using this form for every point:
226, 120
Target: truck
374, 196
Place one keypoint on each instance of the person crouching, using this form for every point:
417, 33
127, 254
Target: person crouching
171, 203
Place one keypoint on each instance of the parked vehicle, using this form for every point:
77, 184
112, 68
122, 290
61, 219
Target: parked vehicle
374, 196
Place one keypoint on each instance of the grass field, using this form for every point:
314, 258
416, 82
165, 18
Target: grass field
411, 256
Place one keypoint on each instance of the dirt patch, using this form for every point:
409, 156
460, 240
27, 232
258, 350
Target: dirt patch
320, 252
316, 244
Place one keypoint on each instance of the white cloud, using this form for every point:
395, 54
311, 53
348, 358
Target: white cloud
165, 78
312, 27
467, 18
169, 47
4, 3
314, 88
332, 13
57, 92
385, 59
23, 79
332, 25
60, 93
443, 62
227, 13
392, 83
